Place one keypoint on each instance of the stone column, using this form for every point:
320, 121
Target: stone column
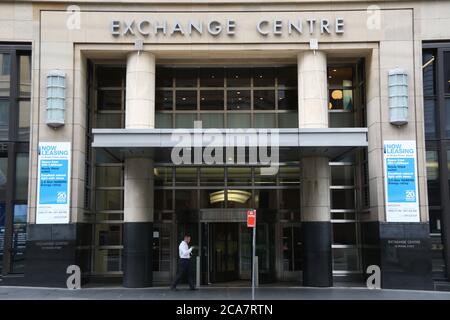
312, 90
315, 172
140, 96
138, 184
316, 225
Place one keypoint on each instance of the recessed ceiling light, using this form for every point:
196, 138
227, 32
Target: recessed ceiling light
334, 70
183, 98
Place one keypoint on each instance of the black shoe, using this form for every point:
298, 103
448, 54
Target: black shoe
193, 289
173, 289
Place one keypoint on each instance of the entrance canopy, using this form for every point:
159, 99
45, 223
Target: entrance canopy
292, 143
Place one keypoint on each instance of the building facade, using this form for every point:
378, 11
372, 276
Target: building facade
125, 125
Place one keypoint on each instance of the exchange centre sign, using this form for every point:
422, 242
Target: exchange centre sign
215, 27
53, 193
400, 165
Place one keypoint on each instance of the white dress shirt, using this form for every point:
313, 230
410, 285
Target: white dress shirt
184, 250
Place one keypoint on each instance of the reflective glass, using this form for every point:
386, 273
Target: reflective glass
25, 76
21, 183
5, 74
4, 120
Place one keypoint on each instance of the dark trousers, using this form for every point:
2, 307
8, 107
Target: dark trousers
184, 270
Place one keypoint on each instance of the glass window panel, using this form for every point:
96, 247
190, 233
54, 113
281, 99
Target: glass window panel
108, 234
430, 118
342, 199
163, 199
238, 99
19, 238
212, 176
109, 176
104, 156
107, 260
161, 247
345, 259
437, 257
239, 198
288, 120
109, 120
289, 175
163, 120
5, 74
108, 216
211, 100
21, 177
428, 61
340, 76
447, 71
264, 179
164, 77
435, 221
25, 76
264, 99
2, 232
3, 175
266, 199
109, 199
448, 166
264, 77
343, 215
287, 100
340, 99
342, 176
447, 118
214, 198
341, 119
186, 176
185, 120
185, 199
109, 100
24, 120
110, 76
186, 77
265, 120
238, 77
163, 176
290, 199
212, 77
186, 100
344, 233
212, 120
287, 76
238, 120
4, 120
164, 100
239, 176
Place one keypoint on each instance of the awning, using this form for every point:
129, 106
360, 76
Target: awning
292, 143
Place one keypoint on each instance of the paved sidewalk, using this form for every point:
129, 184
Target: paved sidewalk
217, 293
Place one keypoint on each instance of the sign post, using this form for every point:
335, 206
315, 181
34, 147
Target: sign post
251, 223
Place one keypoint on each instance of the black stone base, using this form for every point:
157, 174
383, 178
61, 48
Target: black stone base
317, 263
50, 249
137, 254
405, 252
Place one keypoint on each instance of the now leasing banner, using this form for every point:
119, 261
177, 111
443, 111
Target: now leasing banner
400, 169
53, 191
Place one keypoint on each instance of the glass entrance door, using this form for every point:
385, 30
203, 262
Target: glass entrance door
224, 250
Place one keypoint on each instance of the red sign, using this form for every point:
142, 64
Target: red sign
251, 218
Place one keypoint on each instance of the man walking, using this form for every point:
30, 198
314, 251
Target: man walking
184, 268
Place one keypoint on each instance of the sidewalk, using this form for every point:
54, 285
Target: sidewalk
217, 293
